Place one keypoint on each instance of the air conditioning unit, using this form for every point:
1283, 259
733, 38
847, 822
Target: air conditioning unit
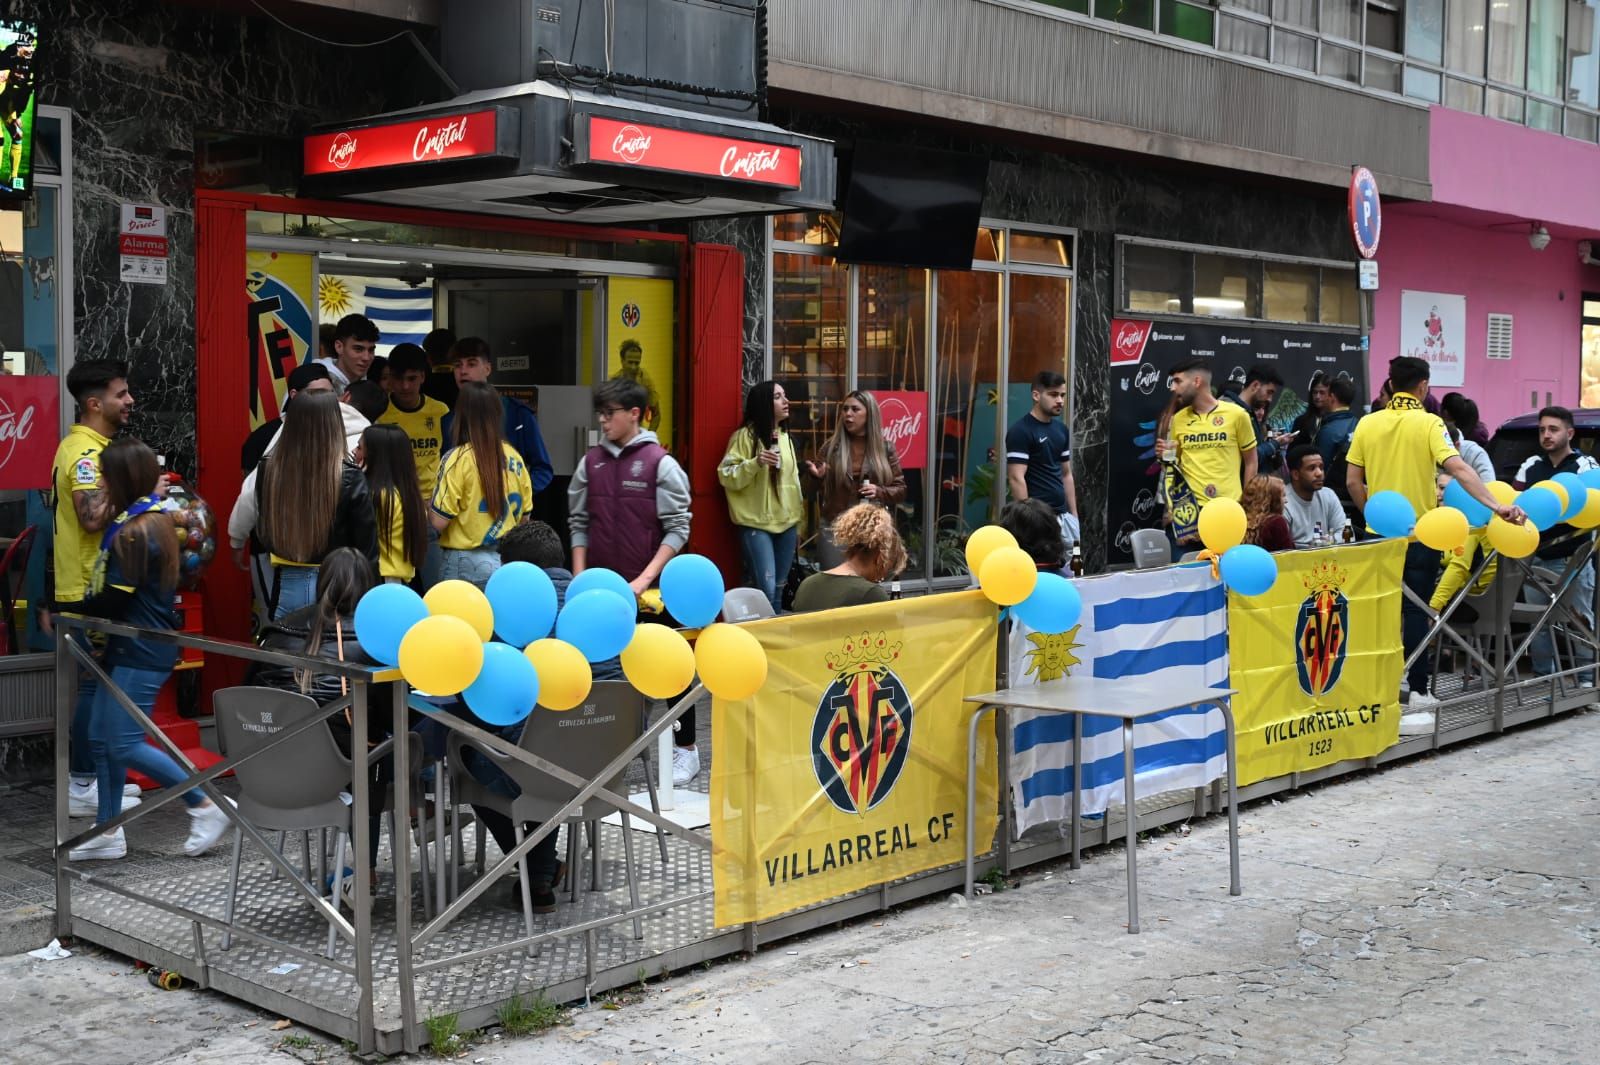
1586, 253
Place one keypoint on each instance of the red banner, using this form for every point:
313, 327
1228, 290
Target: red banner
30, 411
427, 140
905, 426
1128, 338
677, 151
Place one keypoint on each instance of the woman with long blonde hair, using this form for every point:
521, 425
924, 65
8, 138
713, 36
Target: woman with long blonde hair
1265, 526
857, 465
483, 487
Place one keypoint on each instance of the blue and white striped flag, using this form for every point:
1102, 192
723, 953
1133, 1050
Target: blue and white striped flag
1169, 626
403, 315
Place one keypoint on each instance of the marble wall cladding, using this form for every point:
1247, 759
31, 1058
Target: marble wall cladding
749, 235
142, 78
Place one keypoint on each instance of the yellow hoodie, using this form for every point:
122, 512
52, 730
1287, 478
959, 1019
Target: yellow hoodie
756, 498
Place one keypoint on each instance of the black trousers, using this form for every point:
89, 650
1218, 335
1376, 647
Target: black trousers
1421, 575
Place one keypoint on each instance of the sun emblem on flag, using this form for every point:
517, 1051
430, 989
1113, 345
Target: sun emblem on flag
1051, 656
334, 296
861, 732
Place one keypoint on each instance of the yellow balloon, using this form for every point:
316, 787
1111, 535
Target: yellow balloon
1557, 489
984, 541
658, 661
564, 674
1589, 516
1443, 528
441, 655
1222, 525
1502, 492
732, 663
463, 600
1008, 576
1513, 541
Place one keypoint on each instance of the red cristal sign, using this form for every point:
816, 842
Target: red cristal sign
30, 409
439, 138
677, 151
905, 426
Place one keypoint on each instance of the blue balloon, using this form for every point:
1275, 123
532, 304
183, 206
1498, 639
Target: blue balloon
1591, 479
507, 687
524, 602
1577, 493
1457, 497
602, 579
597, 623
1542, 507
384, 616
692, 590
1249, 570
1053, 607
1390, 514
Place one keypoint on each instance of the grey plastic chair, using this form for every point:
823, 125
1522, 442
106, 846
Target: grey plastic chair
745, 604
1151, 550
583, 741
294, 787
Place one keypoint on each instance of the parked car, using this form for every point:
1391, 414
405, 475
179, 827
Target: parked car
1518, 438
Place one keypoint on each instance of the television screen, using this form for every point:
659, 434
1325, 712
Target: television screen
911, 206
19, 42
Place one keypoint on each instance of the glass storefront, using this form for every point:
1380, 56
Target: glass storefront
949, 353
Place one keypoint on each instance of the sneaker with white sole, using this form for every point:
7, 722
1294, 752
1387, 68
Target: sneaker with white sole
84, 800
685, 765
103, 847
1419, 719
207, 825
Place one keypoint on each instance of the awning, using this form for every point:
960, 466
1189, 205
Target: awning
543, 150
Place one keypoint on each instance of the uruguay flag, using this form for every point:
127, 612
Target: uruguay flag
403, 315
1167, 625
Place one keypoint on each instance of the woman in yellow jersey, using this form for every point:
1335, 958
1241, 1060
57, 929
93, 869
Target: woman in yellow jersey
396, 501
483, 487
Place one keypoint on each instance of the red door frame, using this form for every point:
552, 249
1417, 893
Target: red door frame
708, 388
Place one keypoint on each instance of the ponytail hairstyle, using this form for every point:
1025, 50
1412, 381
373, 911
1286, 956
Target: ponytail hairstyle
131, 471
480, 425
392, 477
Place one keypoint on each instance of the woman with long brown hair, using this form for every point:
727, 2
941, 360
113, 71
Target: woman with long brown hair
856, 466
762, 480
1265, 525
309, 499
135, 581
397, 502
483, 488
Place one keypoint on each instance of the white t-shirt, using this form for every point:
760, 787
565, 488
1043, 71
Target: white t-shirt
1303, 515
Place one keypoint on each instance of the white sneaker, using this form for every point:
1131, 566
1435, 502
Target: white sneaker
207, 825
83, 800
685, 765
102, 847
1417, 724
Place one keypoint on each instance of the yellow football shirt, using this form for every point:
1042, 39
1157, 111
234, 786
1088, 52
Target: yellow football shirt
1211, 448
393, 561
1401, 449
76, 469
459, 497
425, 427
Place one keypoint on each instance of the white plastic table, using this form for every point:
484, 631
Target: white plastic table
1125, 700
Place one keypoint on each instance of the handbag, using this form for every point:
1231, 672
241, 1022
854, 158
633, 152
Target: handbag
799, 570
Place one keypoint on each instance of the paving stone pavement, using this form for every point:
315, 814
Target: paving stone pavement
1442, 910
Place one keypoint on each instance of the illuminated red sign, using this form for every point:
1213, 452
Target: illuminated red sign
905, 426
677, 151
29, 409
1128, 338
441, 138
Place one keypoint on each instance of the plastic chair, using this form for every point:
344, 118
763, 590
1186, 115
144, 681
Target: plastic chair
294, 787
13, 571
1495, 606
1151, 549
745, 604
582, 741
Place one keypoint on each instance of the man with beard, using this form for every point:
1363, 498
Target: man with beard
1039, 455
1209, 450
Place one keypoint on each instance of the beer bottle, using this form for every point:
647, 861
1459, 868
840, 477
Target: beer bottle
1349, 532
1077, 561
894, 589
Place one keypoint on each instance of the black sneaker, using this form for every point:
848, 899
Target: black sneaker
543, 895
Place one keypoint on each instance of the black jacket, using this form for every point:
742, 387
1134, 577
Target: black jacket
291, 633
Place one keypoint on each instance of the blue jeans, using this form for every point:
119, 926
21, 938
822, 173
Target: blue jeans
1580, 599
475, 566
81, 752
767, 558
119, 743
297, 588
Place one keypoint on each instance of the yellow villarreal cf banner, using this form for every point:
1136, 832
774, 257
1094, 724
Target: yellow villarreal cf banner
849, 768
1317, 660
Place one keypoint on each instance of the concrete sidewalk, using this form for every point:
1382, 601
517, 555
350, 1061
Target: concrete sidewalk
1442, 910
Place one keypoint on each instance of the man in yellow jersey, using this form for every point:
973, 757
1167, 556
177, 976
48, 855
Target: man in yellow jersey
1402, 448
422, 417
82, 511
1209, 449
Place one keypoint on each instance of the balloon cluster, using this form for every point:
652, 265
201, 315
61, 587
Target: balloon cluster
1245, 568
197, 532
1046, 602
1573, 498
508, 648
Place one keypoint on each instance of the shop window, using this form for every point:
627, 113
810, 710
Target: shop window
1289, 291
1383, 27
1583, 83
891, 356
1040, 328
1342, 18
1590, 348
1382, 74
1465, 37
1296, 12
1508, 42
810, 349
1294, 49
1342, 63
989, 245
1242, 37
1155, 280
1227, 286
1425, 31
807, 227
963, 414
1340, 299
1043, 248
1186, 21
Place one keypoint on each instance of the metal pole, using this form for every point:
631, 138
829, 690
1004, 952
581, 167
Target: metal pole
1131, 828
1077, 786
972, 794
66, 702
401, 843
1234, 888
361, 832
